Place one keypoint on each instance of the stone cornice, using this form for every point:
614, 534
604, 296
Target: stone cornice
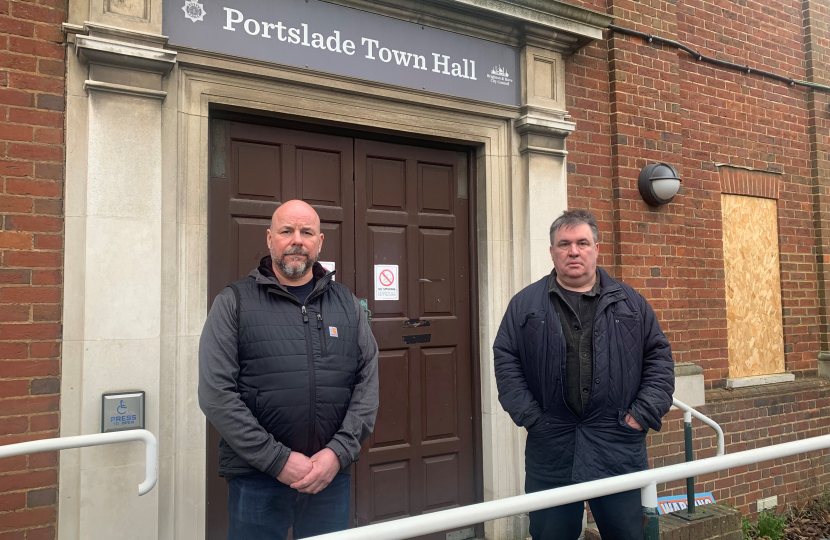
97, 50
543, 23
550, 13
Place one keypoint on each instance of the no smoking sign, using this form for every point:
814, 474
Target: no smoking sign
387, 278
386, 282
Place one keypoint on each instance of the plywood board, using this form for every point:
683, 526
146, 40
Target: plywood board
753, 286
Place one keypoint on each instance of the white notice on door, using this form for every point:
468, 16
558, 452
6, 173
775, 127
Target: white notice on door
329, 266
386, 282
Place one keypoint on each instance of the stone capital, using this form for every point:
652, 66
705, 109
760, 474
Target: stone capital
543, 130
122, 61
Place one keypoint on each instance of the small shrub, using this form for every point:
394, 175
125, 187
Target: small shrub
771, 525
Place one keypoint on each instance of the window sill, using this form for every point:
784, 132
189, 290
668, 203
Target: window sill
758, 380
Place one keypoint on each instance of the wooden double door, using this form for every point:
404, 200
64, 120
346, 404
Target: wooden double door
379, 204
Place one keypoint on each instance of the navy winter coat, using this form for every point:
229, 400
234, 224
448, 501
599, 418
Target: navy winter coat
633, 373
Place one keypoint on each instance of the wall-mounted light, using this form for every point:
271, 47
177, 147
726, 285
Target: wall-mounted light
658, 183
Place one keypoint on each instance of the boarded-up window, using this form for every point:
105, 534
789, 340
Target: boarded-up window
753, 286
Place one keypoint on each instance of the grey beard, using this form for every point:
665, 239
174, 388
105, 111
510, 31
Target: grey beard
294, 272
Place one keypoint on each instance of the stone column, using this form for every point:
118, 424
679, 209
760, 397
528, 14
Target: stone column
114, 293
542, 129
540, 193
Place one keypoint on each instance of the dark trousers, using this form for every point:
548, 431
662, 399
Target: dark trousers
618, 516
263, 508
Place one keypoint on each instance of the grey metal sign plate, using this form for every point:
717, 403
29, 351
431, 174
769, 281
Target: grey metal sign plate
122, 411
336, 39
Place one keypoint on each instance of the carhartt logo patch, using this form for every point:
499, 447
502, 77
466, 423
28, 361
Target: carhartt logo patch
333, 331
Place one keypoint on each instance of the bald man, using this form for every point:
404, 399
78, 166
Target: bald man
288, 375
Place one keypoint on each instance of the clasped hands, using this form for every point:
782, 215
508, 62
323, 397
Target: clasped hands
310, 475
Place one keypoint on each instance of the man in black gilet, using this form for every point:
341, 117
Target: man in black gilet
288, 375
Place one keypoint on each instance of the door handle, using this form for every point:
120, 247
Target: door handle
364, 303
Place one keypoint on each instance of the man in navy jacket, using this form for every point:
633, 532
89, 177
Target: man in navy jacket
582, 364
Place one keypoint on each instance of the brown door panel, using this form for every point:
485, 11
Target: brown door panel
408, 213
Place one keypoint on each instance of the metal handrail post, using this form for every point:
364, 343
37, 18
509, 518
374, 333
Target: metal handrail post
688, 412
690, 456
96, 439
648, 496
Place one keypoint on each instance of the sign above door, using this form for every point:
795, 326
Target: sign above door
336, 39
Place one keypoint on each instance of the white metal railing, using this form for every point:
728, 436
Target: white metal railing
688, 443
646, 481
689, 412
96, 439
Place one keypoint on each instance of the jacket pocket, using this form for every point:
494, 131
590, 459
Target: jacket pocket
532, 340
536, 314
621, 413
627, 341
532, 328
322, 331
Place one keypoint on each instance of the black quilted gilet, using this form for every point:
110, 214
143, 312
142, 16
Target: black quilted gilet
297, 364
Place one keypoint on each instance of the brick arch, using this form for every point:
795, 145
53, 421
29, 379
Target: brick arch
749, 182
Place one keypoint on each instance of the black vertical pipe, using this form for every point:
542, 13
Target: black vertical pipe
690, 482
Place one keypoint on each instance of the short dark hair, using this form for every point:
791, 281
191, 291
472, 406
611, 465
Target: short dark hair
573, 218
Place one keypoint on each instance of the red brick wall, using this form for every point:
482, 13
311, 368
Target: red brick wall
31, 257
589, 159
754, 418
656, 103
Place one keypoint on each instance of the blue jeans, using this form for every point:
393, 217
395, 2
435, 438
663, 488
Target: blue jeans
261, 507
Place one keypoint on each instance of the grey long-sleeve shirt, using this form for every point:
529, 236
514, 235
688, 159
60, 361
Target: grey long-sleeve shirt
220, 400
